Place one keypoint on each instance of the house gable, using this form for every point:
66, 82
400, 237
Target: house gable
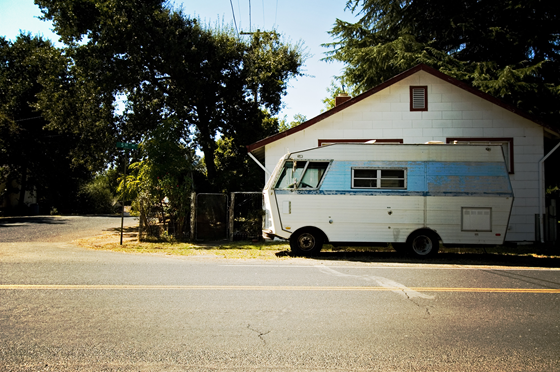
258, 147
451, 111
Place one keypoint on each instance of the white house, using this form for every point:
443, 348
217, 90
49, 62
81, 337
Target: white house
421, 105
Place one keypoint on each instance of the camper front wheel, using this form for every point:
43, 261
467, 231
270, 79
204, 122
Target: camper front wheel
306, 242
424, 243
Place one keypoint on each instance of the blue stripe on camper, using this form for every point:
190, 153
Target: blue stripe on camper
386, 192
426, 178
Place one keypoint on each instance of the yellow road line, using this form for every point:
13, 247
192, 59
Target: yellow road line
267, 288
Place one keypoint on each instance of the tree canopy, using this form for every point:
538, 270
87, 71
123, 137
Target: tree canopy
165, 65
507, 48
32, 158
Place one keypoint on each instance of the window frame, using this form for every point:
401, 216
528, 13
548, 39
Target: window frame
379, 178
488, 141
303, 172
424, 88
325, 142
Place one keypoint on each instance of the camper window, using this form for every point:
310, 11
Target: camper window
301, 174
370, 178
313, 174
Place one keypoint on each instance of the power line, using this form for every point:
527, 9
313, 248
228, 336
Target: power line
276, 13
239, 12
234, 22
33, 118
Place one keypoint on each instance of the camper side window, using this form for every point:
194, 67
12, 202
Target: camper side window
301, 174
370, 178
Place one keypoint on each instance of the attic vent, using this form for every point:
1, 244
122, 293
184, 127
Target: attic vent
419, 98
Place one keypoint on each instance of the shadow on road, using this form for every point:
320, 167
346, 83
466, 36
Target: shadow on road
481, 259
49, 220
15, 221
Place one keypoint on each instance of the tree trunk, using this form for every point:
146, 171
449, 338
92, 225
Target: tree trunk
209, 162
140, 225
208, 146
22, 187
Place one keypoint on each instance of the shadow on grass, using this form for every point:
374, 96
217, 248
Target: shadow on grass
240, 244
499, 256
126, 229
507, 256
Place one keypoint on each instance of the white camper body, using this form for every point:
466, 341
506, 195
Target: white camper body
413, 195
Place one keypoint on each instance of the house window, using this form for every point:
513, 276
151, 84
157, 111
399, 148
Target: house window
506, 143
302, 174
325, 142
374, 178
418, 98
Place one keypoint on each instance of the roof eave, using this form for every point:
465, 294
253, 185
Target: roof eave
421, 67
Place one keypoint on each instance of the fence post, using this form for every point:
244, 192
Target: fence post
231, 216
193, 215
141, 221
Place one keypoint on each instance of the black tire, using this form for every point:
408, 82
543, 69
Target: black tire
423, 244
306, 242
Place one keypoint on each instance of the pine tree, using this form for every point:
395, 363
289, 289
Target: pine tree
507, 48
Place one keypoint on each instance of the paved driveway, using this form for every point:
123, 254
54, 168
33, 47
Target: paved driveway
57, 228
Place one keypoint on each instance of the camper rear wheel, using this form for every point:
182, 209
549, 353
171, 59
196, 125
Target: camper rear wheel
423, 243
306, 242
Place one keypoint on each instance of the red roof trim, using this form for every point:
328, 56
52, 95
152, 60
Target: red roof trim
393, 80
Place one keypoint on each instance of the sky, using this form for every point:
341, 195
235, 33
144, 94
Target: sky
307, 21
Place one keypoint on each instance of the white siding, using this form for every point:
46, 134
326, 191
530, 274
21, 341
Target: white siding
353, 218
452, 112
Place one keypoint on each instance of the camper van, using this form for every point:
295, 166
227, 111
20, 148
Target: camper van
412, 196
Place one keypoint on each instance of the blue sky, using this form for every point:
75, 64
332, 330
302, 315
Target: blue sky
298, 20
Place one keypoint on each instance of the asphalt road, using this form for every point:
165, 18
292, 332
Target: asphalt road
65, 308
57, 228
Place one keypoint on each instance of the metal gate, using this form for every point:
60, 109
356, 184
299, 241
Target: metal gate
210, 214
246, 215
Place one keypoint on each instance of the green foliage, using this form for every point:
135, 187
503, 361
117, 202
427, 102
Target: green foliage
284, 125
161, 182
235, 170
166, 65
269, 64
177, 203
184, 85
34, 156
97, 195
334, 90
507, 48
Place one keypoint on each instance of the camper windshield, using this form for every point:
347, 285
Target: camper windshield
313, 174
290, 174
301, 174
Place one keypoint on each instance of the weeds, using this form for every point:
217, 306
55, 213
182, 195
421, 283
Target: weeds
281, 250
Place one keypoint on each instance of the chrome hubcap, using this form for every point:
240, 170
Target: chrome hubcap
306, 242
422, 245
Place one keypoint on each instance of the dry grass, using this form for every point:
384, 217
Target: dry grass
110, 241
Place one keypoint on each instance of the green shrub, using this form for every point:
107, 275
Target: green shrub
97, 197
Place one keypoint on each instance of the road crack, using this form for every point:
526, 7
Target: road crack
409, 298
259, 333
